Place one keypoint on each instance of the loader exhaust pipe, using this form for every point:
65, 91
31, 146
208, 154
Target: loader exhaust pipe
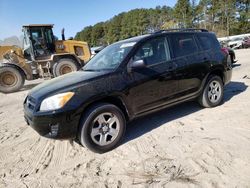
63, 36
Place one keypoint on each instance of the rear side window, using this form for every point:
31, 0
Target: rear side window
208, 42
184, 45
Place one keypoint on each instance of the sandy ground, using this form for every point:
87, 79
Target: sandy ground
184, 146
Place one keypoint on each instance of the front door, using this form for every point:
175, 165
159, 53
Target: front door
155, 84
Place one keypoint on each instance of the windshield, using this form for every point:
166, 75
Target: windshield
110, 57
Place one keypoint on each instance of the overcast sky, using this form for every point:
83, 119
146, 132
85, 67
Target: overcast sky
73, 15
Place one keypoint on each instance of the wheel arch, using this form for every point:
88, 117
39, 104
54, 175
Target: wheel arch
218, 71
115, 100
22, 71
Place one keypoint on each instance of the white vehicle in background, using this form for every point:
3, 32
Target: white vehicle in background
95, 50
235, 43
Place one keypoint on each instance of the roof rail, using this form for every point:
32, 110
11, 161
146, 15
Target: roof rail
180, 29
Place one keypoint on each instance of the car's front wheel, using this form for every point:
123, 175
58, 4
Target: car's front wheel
213, 92
102, 127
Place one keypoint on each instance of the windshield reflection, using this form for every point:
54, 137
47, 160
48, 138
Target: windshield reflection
110, 57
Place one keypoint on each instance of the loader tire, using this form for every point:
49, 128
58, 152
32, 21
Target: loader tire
11, 79
64, 66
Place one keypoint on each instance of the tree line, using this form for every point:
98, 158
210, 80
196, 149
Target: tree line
224, 17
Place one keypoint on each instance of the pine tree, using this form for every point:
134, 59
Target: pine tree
182, 12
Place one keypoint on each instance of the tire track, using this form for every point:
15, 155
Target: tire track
13, 146
58, 158
45, 160
27, 156
39, 157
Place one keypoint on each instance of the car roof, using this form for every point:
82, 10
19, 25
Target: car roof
164, 32
134, 39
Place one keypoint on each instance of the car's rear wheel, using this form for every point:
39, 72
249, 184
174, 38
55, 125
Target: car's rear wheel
213, 92
102, 127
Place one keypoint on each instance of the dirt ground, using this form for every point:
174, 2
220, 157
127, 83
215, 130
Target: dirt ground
184, 146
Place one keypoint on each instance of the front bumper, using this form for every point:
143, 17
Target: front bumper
63, 125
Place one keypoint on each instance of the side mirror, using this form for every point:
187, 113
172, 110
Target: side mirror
134, 65
138, 64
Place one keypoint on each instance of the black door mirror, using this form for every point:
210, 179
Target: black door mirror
138, 64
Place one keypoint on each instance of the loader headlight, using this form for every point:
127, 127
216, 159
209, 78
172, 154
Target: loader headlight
56, 102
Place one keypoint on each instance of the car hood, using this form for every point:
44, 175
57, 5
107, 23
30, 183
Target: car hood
63, 83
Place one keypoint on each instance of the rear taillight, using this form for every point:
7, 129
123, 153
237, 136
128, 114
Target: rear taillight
225, 51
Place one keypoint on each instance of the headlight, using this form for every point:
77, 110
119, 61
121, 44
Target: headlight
56, 101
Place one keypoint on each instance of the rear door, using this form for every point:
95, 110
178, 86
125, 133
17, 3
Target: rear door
190, 62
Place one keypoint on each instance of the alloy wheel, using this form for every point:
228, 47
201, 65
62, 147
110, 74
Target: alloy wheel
214, 91
105, 129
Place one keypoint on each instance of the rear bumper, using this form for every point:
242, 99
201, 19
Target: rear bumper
228, 75
62, 125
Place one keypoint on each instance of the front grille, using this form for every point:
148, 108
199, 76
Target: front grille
30, 102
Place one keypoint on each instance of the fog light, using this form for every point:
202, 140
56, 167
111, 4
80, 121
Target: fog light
54, 129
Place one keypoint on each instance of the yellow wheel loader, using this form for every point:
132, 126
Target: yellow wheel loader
42, 56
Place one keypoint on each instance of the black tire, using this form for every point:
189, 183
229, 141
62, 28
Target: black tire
88, 123
210, 97
11, 79
232, 58
64, 66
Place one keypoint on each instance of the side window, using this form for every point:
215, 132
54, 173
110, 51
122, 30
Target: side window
154, 51
208, 42
26, 43
48, 35
78, 50
184, 45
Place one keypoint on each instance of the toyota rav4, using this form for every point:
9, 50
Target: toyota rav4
128, 79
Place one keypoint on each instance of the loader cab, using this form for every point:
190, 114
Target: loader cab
39, 42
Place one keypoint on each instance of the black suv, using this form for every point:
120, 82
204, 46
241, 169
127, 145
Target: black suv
126, 80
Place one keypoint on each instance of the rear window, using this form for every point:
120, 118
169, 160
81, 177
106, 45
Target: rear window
208, 42
184, 45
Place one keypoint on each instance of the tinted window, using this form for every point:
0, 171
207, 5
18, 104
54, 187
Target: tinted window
208, 42
184, 45
154, 51
110, 57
